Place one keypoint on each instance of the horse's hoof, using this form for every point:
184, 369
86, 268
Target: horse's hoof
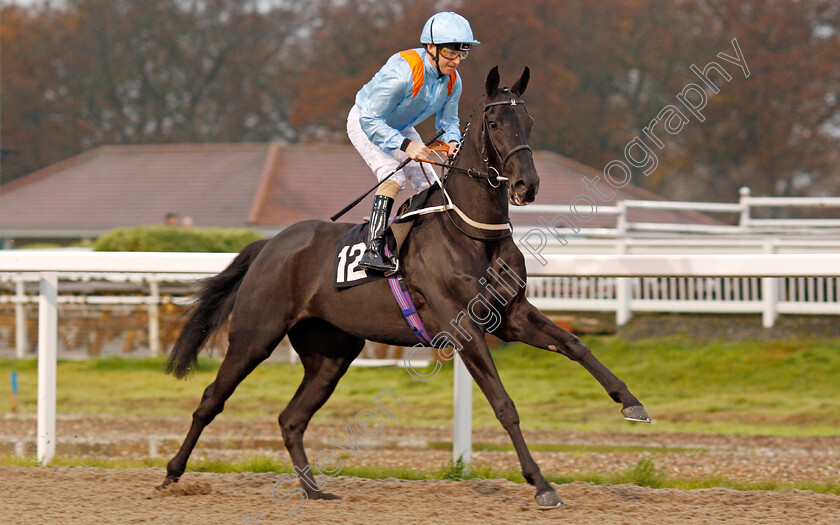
548, 500
163, 485
324, 496
636, 413
168, 481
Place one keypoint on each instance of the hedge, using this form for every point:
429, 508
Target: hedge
175, 239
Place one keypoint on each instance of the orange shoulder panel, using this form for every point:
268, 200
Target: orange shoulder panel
452, 78
417, 70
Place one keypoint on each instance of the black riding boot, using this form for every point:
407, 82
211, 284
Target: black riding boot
373, 258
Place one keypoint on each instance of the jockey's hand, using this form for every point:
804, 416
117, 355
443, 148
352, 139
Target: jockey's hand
453, 148
417, 150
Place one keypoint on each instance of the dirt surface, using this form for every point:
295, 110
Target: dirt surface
561, 452
85, 495
91, 495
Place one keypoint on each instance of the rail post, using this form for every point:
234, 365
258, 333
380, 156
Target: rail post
623, 292
47, 353
20, 317
462, 413
153, 309
770, 293
744, 221
621, 220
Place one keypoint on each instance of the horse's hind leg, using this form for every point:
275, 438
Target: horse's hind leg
326, 352
243, 355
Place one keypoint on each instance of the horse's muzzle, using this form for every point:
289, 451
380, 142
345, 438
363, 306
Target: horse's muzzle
522, 193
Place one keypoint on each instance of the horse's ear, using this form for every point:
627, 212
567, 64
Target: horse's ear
491, 86
521, 84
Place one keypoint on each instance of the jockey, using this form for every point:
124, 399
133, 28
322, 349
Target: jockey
410, 87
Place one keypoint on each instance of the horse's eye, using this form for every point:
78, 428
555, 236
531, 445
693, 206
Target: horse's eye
492, 124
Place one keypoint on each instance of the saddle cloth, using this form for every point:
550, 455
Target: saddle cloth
353, 244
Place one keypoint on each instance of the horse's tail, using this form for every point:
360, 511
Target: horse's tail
212, 307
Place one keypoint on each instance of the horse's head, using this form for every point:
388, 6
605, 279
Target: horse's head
506, 137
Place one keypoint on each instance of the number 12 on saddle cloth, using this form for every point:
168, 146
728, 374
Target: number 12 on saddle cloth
353, 244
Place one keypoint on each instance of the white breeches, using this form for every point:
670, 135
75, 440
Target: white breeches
384, 162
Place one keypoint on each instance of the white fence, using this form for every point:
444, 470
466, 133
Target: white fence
48, 265
748, 295
726, 294
620, 267
747, 223
767, 296
147, 293
756, 283
807, 296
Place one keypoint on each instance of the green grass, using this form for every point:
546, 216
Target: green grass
569, 449
65, 461
645, 473
777, 388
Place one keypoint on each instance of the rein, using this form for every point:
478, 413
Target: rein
472, 172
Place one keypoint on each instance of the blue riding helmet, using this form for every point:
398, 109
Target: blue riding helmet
448, 28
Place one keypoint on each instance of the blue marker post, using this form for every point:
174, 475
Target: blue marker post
13, 402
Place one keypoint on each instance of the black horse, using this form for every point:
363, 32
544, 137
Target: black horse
284, 286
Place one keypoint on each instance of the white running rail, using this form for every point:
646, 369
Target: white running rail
766, 267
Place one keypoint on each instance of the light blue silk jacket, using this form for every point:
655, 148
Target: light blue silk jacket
394, 100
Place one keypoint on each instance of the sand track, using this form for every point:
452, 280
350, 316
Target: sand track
83, 495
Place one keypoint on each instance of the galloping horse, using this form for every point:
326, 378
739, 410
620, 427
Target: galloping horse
284, 286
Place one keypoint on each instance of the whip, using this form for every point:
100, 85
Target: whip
365, 194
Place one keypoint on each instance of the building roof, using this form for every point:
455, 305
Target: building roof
313, 181
561, 180
115, 186
239, 185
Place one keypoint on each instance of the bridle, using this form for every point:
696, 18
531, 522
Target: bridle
490, 174
484, 141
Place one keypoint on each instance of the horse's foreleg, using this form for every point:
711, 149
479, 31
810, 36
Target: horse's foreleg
527, 324
477, 358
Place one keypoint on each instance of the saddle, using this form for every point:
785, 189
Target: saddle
352, 245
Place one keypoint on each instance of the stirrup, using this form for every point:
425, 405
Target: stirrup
385, 271
375, 260
396, 269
